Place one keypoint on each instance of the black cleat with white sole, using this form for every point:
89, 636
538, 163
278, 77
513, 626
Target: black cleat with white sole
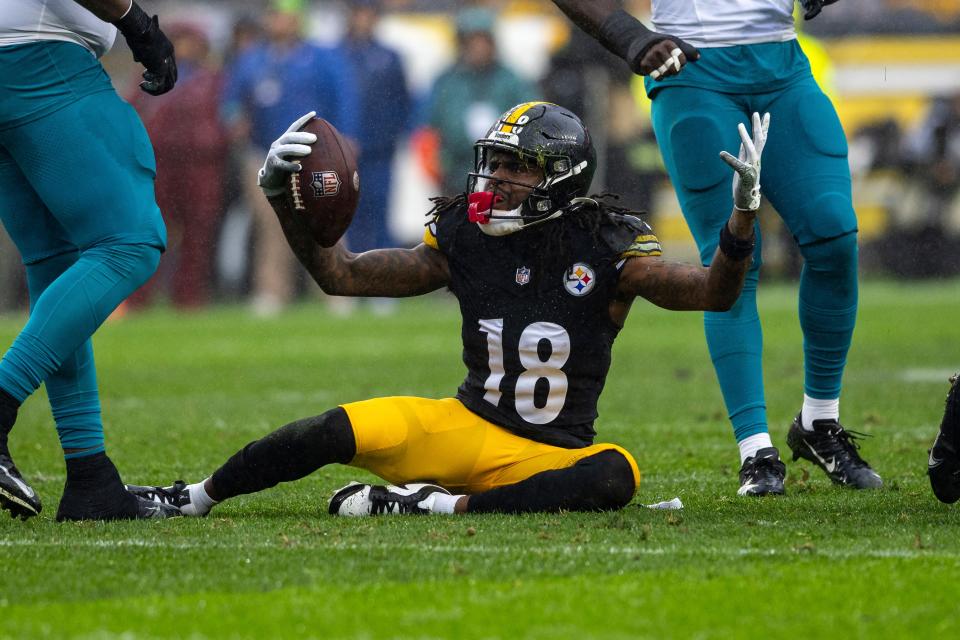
16, 496
943, 464
762, 474
357, 499
835, 450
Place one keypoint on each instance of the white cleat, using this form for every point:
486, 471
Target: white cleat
355, 499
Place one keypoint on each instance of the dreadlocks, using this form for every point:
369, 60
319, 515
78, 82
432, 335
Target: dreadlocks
583, 215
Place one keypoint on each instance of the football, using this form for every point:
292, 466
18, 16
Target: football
325, 192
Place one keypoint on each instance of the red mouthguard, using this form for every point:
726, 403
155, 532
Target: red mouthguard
480, 204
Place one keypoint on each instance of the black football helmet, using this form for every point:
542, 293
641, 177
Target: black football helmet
549, 136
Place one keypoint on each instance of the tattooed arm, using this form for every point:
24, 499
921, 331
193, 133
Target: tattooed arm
393, 273
717, 287
685, 287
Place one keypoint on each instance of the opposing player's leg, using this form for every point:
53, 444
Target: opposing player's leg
71, 387
807, 179
16, 494
690, 125
86, 184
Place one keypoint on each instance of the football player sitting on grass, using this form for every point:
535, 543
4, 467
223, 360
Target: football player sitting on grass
545, 276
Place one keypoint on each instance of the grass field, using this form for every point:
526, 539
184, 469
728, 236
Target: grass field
182, 392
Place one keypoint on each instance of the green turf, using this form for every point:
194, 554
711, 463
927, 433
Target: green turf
183, 392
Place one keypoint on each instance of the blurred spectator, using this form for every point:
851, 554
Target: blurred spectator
271, 85
189, 142
934, 154
470, 95
234, 237
385, 104
587, 79
246, 33
925, 241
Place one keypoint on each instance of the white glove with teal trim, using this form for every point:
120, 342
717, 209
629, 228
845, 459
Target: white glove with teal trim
746, 182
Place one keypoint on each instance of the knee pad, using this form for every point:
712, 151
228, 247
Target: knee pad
135, 263
696, 140
835, 254
327, 437
614, 477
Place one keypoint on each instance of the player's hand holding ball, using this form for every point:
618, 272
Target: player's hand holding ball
315, 167
278, 165
746, 180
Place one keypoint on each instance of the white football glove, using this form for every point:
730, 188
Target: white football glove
294, 143
746, 182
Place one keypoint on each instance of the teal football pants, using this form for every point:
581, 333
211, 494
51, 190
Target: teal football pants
76, 197
806, 178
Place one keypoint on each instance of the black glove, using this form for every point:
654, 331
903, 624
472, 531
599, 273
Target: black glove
151, 48
625, 36
811, 8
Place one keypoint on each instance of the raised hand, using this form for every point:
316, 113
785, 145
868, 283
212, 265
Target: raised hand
746, 181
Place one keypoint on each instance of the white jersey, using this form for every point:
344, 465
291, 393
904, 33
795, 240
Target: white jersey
24, 21
725, 23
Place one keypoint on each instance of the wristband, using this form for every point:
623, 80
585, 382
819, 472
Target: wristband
620, 30
735, 248
134, 22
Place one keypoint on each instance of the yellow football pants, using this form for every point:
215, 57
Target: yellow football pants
407, 439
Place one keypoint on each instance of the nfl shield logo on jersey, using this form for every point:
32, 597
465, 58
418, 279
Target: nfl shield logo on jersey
579, 279
523, 275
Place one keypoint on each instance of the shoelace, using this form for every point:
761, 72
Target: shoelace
765, 462
398, 504
847, 438
384, 505
168, 496
764, 467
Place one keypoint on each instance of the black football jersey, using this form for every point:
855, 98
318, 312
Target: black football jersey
537, 333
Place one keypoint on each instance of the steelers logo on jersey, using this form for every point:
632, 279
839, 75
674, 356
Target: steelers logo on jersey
579, 279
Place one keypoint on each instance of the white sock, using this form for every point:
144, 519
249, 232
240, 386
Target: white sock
200, 501
751, 444
814, 409
439, 502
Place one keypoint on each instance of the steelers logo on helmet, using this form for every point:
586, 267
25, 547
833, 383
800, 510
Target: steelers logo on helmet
539, 134
579, 279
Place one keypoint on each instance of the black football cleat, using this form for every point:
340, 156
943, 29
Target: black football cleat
16, 496
75, 508
150, 510
357, 499
762, 474
833, 449
94, 491
943, 465
176, 495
